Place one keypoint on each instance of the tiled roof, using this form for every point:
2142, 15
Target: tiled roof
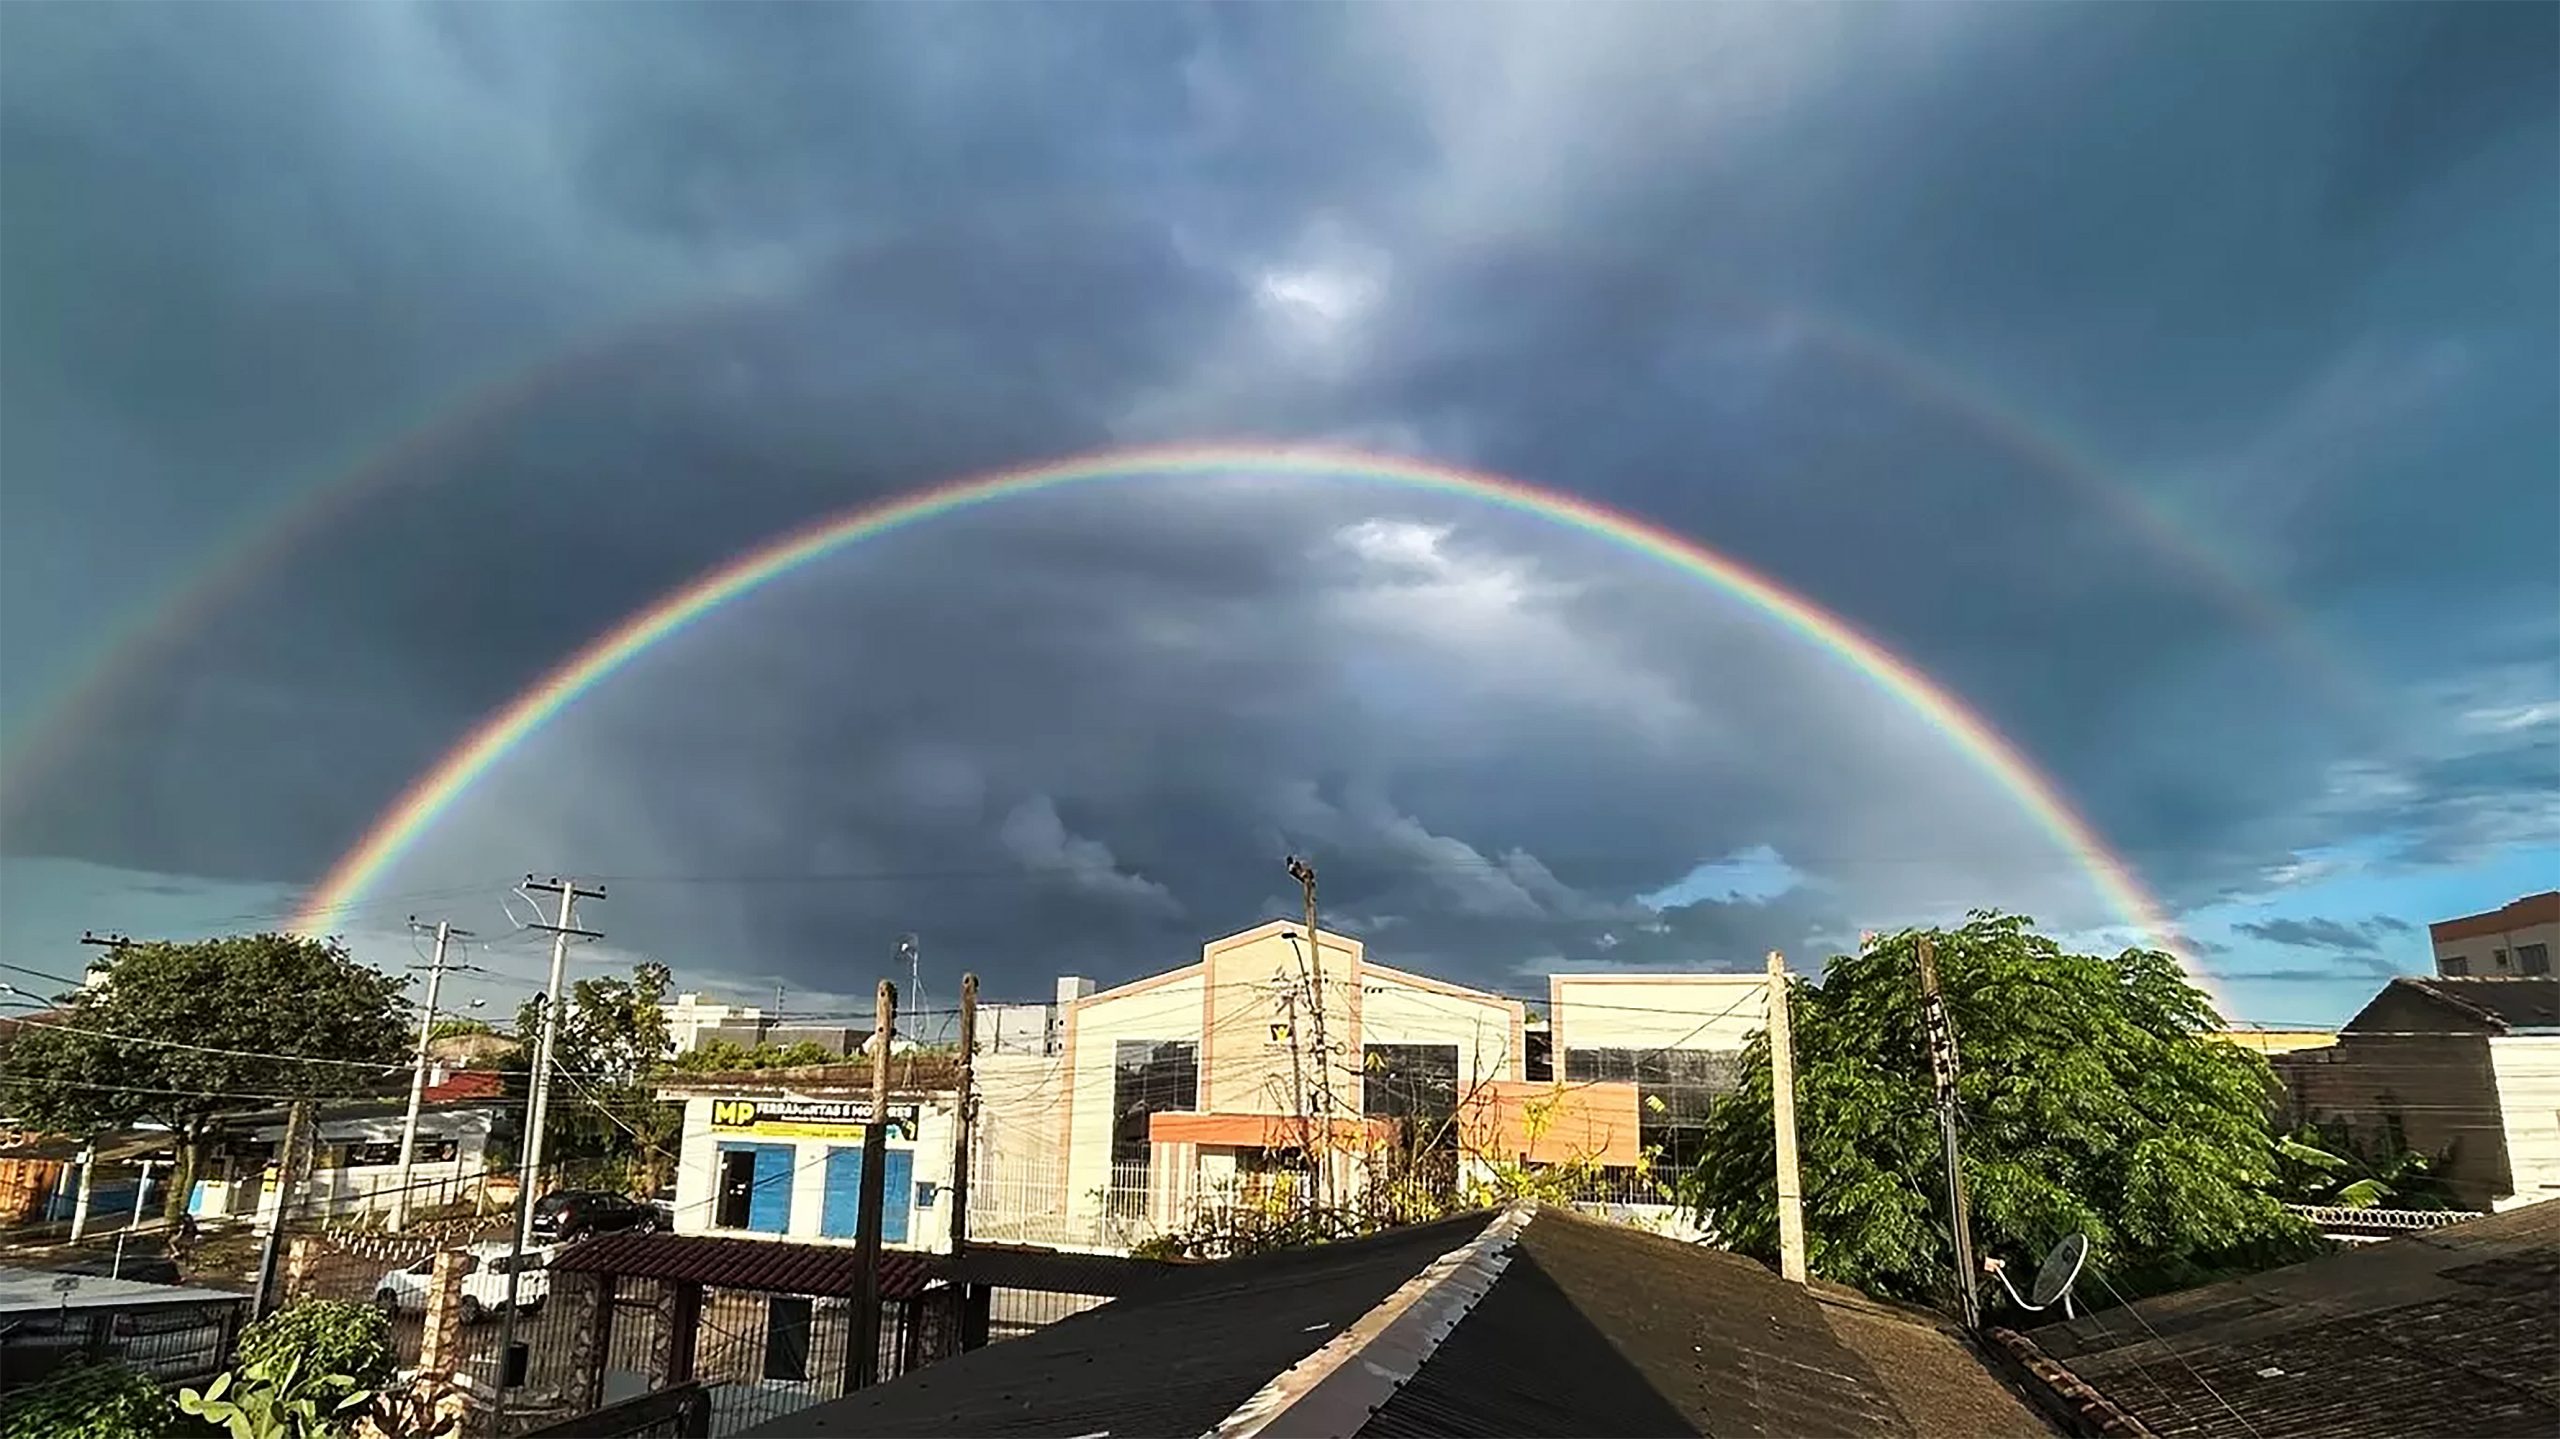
771, 1266
2513, 1001
2455, 1331
1566, 1326
2533, 909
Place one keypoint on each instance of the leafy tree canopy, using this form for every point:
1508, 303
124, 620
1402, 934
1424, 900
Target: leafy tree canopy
714, 1056
2093, 1101
606, 1126
293, 1017
456, 1027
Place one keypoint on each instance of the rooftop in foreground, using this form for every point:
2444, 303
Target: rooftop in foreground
1535, 1321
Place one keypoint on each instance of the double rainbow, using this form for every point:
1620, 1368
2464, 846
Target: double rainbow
398, 828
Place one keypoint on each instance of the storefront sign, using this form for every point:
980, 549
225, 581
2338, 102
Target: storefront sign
809, 1118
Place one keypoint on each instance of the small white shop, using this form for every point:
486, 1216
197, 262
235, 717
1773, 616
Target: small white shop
783, 1159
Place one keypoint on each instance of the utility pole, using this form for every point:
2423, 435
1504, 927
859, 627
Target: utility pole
445, 934
113, 944
141, 1200
1943, 1068
1305, 874
529, 1161
297, 1136
914, 957
1782, 1112
968, 1114
80, 1203
864, 1362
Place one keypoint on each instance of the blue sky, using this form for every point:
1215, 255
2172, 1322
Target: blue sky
1911, 308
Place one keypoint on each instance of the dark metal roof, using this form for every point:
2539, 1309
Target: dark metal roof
2454, 1331
2514, 1001
1589, 1329
1174, 1361
773, 1266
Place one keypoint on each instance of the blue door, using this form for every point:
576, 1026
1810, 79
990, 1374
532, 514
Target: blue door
842, 1217
769, 1188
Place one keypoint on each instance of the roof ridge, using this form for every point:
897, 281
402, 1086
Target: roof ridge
1390, 1342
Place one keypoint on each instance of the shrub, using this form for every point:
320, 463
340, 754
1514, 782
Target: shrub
329, 1336
88, 1401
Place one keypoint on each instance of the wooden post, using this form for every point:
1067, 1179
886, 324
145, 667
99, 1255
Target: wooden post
1782, 1113
865, 1365
968, 1114
289, 1167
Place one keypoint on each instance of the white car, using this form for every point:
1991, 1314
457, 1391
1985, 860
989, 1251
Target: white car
484, 1283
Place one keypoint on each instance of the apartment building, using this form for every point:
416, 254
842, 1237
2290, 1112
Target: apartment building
2516, 939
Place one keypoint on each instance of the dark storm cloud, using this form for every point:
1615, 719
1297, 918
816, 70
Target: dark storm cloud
1578, 246
2350, 937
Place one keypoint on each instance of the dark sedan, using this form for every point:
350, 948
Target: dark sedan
575, 1213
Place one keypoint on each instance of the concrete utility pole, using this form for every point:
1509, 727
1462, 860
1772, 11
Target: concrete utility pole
1782, 1112
529, 1161
914, 956
1943, 1068
297, 1138
80, 1202
445, 934
1305, 874
864, 1363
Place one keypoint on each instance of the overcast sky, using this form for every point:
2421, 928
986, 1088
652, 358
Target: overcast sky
2174, 385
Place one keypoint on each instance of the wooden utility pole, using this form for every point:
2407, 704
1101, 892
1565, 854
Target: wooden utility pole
968, 1115
974, 1298
1942, 1065
1782, 1113
1305, 874
863, 1365
297, 1133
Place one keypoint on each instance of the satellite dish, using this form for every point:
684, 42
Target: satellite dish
2061, 1269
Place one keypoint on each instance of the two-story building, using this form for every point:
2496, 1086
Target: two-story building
1272, 1062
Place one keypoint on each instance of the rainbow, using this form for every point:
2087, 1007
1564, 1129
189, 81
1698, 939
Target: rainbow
399, 827
144, 634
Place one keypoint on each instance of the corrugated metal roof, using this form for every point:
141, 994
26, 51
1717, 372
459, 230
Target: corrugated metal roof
774, 1266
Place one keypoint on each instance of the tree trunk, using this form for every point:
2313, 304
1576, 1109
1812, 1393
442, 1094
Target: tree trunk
182, 1175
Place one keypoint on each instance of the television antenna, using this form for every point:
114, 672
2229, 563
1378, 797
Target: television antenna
2061, 1270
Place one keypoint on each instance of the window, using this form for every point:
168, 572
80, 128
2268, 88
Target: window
2533, 959
2454, 965
1149, 1077
1539, 1056
1674, 1090
1416, 1083
2498, 957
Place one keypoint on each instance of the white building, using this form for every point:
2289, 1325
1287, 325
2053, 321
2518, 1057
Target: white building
355, 1155
1219, 1077
779, 1155
1029, 1028
691, 1017
2514, 940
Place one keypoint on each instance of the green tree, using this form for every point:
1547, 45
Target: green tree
328, 1336
717, 1056
182, 1034
2093, 1100
606, 1125
456, 1026
88, 1400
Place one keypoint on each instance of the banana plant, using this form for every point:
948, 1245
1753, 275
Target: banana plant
267, 1404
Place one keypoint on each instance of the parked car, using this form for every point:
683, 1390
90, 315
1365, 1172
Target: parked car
576, 1213
484, 1283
